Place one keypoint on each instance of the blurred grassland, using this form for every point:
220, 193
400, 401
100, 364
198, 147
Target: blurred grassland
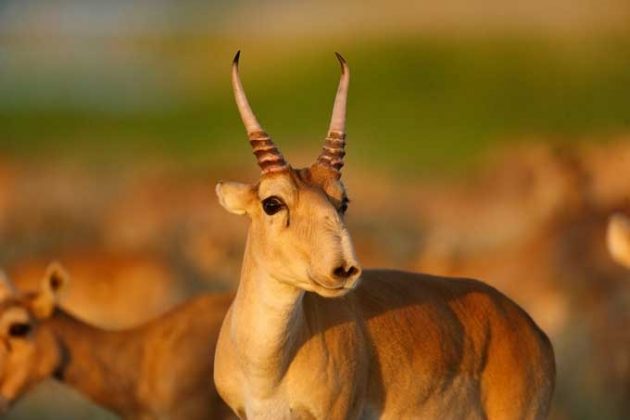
416, 104
419, 105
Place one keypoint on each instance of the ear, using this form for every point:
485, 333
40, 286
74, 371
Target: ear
53, 284
6, 287
235, 197
618, 238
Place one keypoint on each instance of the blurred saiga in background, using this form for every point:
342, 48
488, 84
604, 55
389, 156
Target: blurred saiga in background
486, 139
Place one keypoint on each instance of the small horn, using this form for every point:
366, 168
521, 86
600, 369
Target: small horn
267, 154
334, 145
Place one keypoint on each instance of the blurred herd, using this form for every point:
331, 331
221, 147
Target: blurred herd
531, 221
487, 140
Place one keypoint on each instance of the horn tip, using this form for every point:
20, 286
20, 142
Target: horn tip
236, 57
342, 61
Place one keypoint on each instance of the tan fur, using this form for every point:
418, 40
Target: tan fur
108, 290
392, 345
131, 372
308, 336
618, 238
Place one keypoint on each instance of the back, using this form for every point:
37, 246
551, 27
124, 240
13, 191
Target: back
178, 353
456, 339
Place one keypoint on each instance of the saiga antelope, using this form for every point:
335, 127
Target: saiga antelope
106, 287
618, 238
311, 335
160, 370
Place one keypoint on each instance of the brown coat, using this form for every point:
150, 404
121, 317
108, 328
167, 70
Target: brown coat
162, 369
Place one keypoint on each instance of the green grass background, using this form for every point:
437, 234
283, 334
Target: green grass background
417, 105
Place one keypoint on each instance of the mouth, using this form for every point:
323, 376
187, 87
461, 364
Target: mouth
332, 291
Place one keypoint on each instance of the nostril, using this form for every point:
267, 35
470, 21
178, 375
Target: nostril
341, 272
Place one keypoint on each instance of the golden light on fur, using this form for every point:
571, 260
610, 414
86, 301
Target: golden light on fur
312, 335
131, 372
618, 238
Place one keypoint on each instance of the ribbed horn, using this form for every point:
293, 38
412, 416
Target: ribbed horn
333, 150
267, 154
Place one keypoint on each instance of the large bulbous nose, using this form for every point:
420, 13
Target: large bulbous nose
342, 272
346, 273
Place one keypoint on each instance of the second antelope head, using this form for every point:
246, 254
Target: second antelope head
297, 231
27, 353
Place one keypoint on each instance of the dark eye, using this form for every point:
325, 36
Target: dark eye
19, 329
272, 205
344, 206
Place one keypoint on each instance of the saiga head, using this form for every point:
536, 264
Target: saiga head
297, 230
27, 353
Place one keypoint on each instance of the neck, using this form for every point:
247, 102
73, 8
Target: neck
266, 325
97, 363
